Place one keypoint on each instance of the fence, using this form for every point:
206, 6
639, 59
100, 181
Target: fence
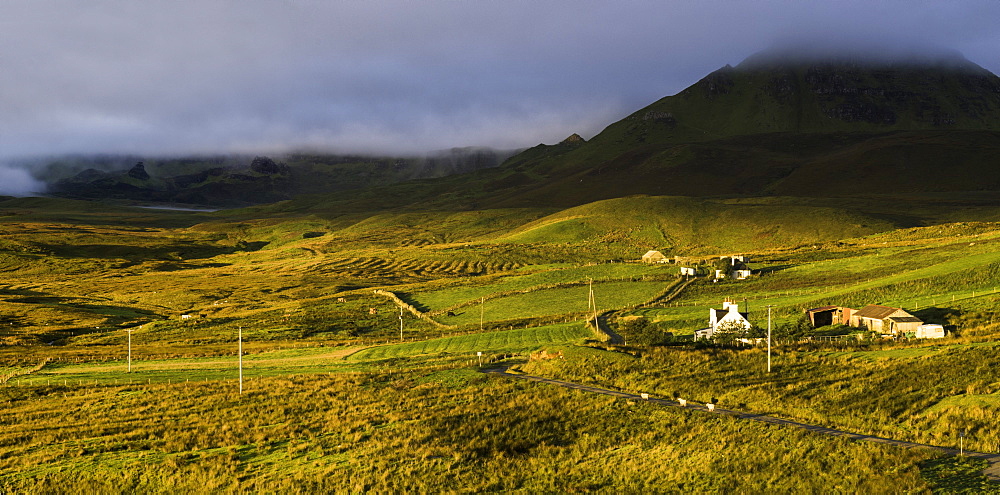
112, 379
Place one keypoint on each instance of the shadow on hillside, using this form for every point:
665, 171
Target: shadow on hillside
169, 266
175, 251
9, 291
772, 269
956, 474
942, 316
7, 322
41, 298
939, 316
115, 314
408, 299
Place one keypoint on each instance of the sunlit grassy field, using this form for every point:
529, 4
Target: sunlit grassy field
925, 394
409, 432
333, 402
441, 299
960, 272
519, 340
556, 301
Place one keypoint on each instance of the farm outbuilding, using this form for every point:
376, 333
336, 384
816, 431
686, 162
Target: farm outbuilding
654, 257
904, 324
884, 319
829, 315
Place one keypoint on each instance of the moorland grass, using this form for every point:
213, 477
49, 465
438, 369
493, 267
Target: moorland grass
451, 297
519, 340
412, 432
905, 394
84, 373
78, 279
558, 301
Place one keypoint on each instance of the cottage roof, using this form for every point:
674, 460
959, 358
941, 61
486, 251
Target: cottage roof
720, 313
876, 312
821, 308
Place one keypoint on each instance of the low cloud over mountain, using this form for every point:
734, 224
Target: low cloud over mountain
391, 77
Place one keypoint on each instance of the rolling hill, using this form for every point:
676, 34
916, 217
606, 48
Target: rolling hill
789, 126
775, 125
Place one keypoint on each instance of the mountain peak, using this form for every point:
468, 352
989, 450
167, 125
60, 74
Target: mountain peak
573, 139
824, 89
138, 171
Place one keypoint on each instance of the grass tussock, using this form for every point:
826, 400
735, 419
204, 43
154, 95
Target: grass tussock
411, 432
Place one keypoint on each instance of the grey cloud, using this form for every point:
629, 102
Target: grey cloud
18, 181
185, 76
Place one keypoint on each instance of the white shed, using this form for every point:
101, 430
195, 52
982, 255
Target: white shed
929, 331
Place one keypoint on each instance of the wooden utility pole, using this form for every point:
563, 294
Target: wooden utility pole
130, 330
592, 303
768, 338
590, 295
241, 359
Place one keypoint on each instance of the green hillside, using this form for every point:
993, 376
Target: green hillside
765, 94
811, 128
684, 224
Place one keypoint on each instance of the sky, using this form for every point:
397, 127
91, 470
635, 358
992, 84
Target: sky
158, 77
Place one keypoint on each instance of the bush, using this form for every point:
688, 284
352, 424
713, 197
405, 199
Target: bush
643, 331
793, 330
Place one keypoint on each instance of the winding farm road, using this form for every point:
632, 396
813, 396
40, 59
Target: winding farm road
992, 472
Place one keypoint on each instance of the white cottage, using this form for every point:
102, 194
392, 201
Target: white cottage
737, 269
727, 319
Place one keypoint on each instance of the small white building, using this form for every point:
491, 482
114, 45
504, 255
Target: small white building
727, 319
687, 270
929, 331
737, 269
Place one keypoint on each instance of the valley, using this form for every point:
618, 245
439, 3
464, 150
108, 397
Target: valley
80, 278
338, 323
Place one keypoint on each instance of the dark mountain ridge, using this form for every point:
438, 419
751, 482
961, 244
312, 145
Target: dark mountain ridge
767, 94
789, 123
782, 122
239, 181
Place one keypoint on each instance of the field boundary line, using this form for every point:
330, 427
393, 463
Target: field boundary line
603, 329
670, 293
409, 307
10, 376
